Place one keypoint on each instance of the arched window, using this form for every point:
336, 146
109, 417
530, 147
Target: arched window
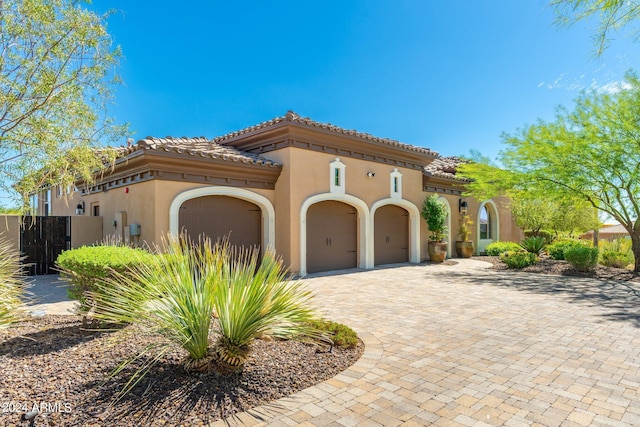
485, 223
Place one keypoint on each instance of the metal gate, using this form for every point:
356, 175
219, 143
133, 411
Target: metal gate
42, 239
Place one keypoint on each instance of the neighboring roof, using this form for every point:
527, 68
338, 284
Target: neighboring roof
611, 229
294, 118
199, 146
445, 167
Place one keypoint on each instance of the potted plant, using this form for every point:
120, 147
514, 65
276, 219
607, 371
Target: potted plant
434, 211
464, 247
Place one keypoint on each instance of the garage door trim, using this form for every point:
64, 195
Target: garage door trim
268, 212
414, 225
364, 227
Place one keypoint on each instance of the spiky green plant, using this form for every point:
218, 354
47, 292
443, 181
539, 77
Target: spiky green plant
534, 245
176, 295
257, 300
12, 285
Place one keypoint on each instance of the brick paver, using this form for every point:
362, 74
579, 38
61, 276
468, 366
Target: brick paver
465, 345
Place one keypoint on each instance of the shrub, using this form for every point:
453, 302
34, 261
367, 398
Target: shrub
84, 267
582, 258
496, 248
176, 296
548, 236
12, 285
556, 249
617, 253
615, 259
434, 212
519, 258
534, 245
341, 335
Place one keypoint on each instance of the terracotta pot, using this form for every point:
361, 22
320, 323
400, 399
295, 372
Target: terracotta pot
437, 251
464, 249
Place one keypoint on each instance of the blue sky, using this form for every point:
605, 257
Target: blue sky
447, 75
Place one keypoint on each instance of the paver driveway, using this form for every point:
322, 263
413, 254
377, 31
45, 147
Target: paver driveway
464, 345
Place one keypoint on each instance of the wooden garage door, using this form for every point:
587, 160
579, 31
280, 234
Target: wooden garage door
391, 242
331, 236
220, 216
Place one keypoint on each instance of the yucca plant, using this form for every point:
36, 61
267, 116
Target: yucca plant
175, 297
12, 285
254, 301
534, 245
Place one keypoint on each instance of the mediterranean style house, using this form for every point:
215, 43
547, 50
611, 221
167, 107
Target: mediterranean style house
324, 197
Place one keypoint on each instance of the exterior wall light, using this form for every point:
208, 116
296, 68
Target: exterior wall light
80, 208
463, 207
371, 174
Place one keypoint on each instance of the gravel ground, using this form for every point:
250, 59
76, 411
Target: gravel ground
52, 363
563, 268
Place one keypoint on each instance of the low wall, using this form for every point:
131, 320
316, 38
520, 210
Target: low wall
10, 229
85, 230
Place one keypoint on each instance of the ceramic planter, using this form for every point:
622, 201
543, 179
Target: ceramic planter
437, 251
464, 249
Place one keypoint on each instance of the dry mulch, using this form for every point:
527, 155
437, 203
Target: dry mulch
52, 363
563, 268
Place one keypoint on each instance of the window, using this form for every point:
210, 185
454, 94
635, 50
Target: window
337, 176
47, 203
485, 223
395, 184
33, 202
95, 209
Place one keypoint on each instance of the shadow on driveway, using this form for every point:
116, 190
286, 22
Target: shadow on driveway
620, 300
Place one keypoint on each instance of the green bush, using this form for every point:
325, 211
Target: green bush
548, 236
582, 258
85, 267
519, 258
341, 335
496, 248
556, 249
617, 253
615, 259
534, 245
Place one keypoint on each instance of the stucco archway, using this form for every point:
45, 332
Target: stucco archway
364, 227
488, 230
414, 226
266, 208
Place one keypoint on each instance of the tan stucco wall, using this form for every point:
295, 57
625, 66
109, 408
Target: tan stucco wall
10, 229
85, 230
305, 174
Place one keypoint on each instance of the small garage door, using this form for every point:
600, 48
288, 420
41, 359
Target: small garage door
220, 216
391, 243
331, 236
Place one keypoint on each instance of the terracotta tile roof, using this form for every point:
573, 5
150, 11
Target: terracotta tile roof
445, 167
293, 117
199, 146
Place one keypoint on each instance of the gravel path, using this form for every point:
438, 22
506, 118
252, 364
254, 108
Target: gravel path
54, 365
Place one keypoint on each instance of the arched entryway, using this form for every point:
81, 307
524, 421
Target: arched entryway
487, 225
218, 217
331, 236
391, 235
266, 212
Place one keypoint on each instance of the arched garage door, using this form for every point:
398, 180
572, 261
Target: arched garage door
331, 236
391, 235
220, 216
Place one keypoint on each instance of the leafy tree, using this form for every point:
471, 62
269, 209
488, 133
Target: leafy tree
56, 81
613, 15
591, 153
